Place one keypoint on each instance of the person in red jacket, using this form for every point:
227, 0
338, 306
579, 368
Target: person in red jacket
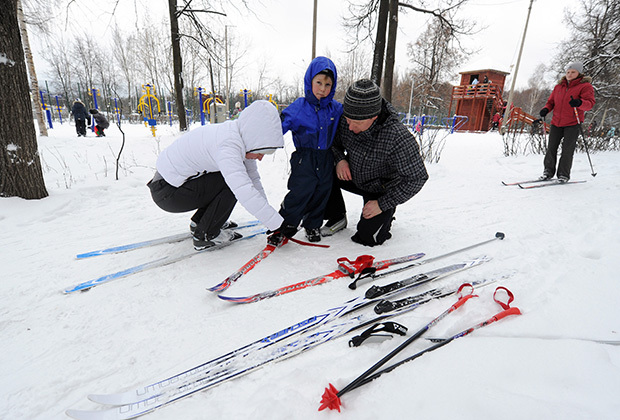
574, 91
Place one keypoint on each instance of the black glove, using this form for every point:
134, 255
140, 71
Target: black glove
277, 237
543, 112
575, 102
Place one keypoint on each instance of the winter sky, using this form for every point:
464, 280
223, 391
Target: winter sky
278, 33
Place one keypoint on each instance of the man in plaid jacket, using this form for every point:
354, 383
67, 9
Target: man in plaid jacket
376, 157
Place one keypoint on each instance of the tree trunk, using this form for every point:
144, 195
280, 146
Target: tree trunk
20, 165
377, 61
177, 63
390, 57
34, 82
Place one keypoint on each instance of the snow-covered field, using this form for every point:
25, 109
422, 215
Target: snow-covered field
562, 243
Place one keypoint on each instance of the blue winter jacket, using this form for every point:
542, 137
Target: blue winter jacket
313, 122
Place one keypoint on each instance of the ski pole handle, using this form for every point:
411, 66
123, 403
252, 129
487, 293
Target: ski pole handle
576, 113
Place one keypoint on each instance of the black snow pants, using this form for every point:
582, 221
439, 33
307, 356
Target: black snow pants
370, 232
207, 193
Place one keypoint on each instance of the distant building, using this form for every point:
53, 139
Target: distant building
480, 101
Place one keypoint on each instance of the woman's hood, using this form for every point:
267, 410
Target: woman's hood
260, 127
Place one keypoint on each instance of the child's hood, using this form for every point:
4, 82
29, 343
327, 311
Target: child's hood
260, 127
316, 66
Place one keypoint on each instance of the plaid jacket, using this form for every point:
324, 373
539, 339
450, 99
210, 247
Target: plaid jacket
384, 159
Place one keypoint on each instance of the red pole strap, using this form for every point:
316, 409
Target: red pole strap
508, 296
297, 241
352, 267
463, 296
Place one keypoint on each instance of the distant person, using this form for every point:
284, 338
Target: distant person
573, 92
496, 119
486, 80
211, 167
474, 82
80, 116
101, 122
376, 157
237, 110
312, 120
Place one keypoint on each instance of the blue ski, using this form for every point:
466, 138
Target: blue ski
160, 262
137, 245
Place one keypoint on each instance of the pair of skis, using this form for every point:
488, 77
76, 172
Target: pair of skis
282, 344
331, 396
158, 262
539, 183
364, 266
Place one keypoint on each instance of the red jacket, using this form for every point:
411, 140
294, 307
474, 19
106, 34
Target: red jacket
563, 113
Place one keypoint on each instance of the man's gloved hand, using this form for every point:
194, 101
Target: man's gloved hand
575, 102
277, 237
544, 112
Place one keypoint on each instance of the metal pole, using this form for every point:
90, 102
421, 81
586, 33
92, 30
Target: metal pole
226, 51
314, 30
514, 78
410, 100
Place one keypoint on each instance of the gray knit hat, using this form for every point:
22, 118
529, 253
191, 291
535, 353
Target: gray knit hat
362, 100
577, 65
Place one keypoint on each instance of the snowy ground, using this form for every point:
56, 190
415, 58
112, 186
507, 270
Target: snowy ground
562, 242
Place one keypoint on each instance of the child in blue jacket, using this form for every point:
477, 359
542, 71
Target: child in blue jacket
312, 120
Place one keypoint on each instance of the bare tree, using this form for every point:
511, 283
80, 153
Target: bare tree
34, 82
435, 56
57, 55
20, 164
362, 23
125, 49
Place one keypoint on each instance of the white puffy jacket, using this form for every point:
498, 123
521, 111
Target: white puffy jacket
222, 148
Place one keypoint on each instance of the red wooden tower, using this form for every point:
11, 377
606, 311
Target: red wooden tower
479, 97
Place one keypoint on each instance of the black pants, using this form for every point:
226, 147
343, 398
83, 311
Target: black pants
208, 194
80, 127
370, 232
556, 134
309, 186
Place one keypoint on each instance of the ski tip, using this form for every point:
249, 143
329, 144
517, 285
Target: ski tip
500, 235
330, 399
219, 287
238, 299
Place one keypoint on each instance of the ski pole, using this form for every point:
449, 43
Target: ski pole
331, 397
333, 401
369, 273
583, 136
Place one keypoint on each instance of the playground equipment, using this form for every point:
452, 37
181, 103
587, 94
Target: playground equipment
169, 104
198, 92
46, 108
117, 111
145, 106
481, 100
58, 108
216, 109
517, 122
270, 99
246, 93
94, 92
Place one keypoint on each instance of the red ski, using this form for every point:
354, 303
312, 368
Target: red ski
346, 268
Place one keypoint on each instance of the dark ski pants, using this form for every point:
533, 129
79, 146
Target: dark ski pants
309, 186
208, 194
80, 127
556, 134
370, 232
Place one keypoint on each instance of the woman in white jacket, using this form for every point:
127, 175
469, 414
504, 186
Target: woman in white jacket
212, 167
